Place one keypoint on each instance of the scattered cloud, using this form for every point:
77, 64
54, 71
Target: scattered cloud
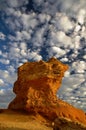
4, 61
2, 36
17, 3
39, 29
1, 83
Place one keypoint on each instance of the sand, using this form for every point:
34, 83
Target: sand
11, 120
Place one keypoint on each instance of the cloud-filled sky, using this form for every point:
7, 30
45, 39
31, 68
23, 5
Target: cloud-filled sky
31, 30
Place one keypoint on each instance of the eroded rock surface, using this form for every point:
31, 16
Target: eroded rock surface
36, 89
67, 124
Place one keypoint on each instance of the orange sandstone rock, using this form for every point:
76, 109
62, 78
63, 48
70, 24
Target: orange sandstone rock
36, 89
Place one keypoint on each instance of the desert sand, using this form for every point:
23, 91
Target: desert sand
13, 120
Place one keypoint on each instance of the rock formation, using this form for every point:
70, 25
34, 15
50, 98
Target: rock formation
36, 89
67, 124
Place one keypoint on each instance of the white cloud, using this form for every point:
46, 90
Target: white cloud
23, 53
64, 40
34, 56
57, 51
79, 66
29, 21
5, 61
63, 22
1, 82
81, 16
65, 59
11, 79
11, 69
0, 52
14, 52
71, 7
38, 39
84, 56
7, 77
16, 3
44, 17
2, 36
23, 46
24, 35
66, 24
77, 28
2, 92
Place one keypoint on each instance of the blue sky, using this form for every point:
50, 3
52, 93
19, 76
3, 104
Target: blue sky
31, 30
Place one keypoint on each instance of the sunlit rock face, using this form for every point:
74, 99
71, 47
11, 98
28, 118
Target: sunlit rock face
37, 85
36, 88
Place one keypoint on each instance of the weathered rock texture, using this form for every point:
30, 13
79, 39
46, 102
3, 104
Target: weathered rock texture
36, 89
67, 124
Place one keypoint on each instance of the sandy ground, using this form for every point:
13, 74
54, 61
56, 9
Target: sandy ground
10, 120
